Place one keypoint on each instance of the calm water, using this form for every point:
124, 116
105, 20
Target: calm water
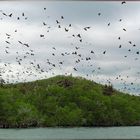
70, 133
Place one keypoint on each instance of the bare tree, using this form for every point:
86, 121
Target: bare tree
1, 81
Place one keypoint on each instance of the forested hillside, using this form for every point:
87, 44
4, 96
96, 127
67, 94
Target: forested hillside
66, 101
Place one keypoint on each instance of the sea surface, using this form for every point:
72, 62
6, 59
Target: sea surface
70, 133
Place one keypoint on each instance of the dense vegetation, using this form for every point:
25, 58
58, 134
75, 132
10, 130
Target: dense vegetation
66, 101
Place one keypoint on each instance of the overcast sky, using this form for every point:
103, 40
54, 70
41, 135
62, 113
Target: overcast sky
120, 66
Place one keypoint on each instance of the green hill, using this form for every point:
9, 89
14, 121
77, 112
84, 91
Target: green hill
66, 101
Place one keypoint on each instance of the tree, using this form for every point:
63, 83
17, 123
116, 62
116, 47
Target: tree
1, 81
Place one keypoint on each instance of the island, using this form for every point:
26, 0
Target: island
66, 101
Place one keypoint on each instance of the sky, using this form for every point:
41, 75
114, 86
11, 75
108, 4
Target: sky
110, 62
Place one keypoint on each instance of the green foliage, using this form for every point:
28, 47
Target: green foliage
66, 101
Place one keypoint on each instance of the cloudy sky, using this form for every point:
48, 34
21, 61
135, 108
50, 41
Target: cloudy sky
54, 53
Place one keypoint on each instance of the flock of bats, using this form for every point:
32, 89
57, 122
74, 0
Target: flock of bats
34, 68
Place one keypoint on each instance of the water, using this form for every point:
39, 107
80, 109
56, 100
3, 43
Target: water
70, 133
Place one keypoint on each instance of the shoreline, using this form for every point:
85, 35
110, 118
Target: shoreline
70, 127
